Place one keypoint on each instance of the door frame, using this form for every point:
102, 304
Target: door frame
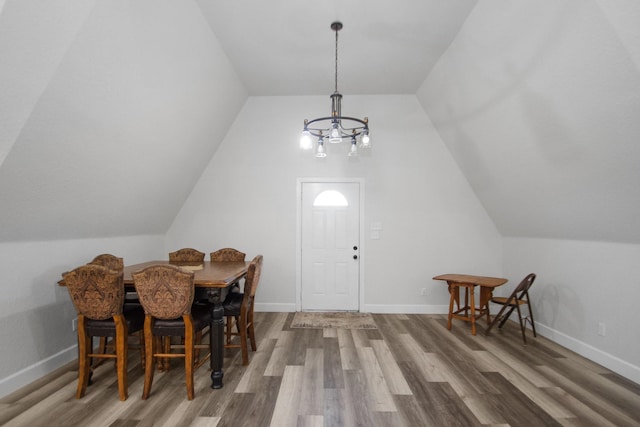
361, 245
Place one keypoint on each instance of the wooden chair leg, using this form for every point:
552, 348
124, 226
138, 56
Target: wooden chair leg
229, 329
242, 327
84, 362
252, 333
121, 357
150, 351
188, 358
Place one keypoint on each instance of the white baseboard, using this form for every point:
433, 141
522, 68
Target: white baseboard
368, 308
405, 309
607, 360
36, 371
276, 307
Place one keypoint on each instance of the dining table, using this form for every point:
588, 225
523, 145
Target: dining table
469, 311
212, 280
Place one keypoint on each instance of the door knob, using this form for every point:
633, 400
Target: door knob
355, 248
355, 257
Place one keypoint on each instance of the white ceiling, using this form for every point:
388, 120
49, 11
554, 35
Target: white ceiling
286, 47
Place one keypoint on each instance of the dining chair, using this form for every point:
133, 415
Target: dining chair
227, 255
110, 261
98, 296
519, 297
166, 293
186, 255
238, 309
113, 262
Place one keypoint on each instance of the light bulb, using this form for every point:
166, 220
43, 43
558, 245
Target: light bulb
305, 140
353, 151
334, 136
320, 151
365, 141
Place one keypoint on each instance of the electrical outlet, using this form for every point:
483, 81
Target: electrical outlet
602, 329
74, 324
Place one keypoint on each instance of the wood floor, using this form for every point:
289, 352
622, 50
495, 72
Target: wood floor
411, 371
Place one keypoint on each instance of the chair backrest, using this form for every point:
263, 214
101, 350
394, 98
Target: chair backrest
165, 291
253, 276
523, 288
186, 255
97, 292
227, 255
110, 261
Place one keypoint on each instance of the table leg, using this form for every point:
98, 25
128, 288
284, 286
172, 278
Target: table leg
453, 293
216, 344
473, 311
486, 293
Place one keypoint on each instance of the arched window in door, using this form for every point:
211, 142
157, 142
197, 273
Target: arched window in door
330, 198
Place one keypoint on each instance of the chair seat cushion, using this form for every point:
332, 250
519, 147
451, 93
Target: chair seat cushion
133, 314
201, 315
232, 304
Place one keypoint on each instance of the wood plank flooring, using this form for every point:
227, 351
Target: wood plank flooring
411, 371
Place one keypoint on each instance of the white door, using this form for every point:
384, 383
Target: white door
330, 246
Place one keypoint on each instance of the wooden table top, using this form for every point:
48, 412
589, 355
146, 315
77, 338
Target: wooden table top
491, 282
207, 274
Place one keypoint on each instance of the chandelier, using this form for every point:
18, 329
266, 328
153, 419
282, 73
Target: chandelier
336, 127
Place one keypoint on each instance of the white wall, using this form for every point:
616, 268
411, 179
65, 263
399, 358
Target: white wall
579, 285
36, 313
433, 223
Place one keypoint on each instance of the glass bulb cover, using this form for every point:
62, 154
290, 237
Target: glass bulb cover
334, 136
320, 151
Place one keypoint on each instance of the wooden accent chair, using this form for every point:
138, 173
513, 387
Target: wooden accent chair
238, 309
518, 298
186, 255
98, 295
166, 294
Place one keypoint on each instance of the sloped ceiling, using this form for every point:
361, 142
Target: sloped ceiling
540, 105
110, 111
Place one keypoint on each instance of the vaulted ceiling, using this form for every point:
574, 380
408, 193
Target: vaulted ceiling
538, 102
